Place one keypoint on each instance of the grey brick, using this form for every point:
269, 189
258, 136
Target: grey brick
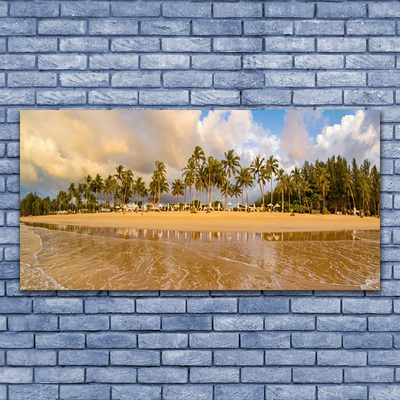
319, 61
237, 45
341, 45
267, 97
238, 357
239, 392
17, 61
177, 97
83, 357
365, 27
370, 61
135, 322
384, 10
387, 44
289, 44
214, 340
344, 392
16, 375
136, 392
288, 392
366, 306
341, 323
31, 357
386, 323
367, 341
193, 45
316, 340
111, 340
94, 391
289, 79
368, 97
61, 97
32, 79
32, 391
163, 340
114, 61
183, 392
288, 10
268, 27
290, 357
368, 374
289, 323
317, 375
32, 323
113, 305
179, 9
32, 45
62, 61
325, 306
215, 62
186, 79
261, 340
135, 357
342, 78
87, 45
60, 341
255, 305
34, 9
17, 26
214, 97
241, 323
111, 375
83, 79
84, 322
384, 357
136, 79
59, 375
264, 375
318, 27
162, 375
187, 323
164, 61
16, 340
342, 358
216, 27
85, 9
346, 10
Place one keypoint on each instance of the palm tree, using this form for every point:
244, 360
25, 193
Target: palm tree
297, 181
236, 191
177, 189
161, 178
323, 182
257, 168
281, 180
98, 185
245, 178
139, 188
230, 165
348, 184
188, 176
126, 185
198, 154
153, 188
88, 181
271, 169
306, 187
210, 166
288, 186
108, 187
71, 191
365, 190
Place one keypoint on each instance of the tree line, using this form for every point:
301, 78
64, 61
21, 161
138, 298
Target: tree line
331, 186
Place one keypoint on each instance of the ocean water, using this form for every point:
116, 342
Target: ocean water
58, 256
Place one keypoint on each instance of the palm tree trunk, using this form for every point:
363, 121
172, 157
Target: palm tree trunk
194, 191
247, 198
227, 186
283, 202
271, 190
262, 195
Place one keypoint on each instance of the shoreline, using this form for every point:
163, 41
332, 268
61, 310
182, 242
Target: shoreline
217, 221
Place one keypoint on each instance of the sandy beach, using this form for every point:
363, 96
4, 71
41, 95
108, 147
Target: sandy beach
220, 221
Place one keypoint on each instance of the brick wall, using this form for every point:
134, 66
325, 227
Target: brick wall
199, 345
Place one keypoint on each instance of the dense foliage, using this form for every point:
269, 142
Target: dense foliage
331, 186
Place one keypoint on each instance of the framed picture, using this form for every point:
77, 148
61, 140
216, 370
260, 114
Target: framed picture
200, 200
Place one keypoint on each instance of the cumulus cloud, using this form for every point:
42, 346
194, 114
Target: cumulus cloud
58, 147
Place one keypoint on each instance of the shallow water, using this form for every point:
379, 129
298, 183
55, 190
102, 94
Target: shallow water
55, 256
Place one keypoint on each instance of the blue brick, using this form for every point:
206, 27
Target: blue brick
384, 10
11, 253
135, 357
136, 392
367, 341
217, 27
31, 357
16, 340
387, 44
370, 61
264, 305
239, 392
317, 97
215, 62
386, 323
346, 10
241, 323
212, 305
57, 306
164, 61
316, 340
34, 9
10, 132
83, 79
3, 9
186, 10
31, 45
84, 322
342, 78
83, 357
384, 78
341, 45
84, 9
113, 27
95, 392
162, 98
87, 45
184, 392
37, 392
62, 61
149, 306
32, 79
344, 392
367, 306
341, 323
260, 340
238, 357
365, 27
186, 357
268, 27
162, 375
288, 10
10, 270
111, 340
113, 305
368, 374
113, 61
214, 375
15, 305
61, 27
268, 97
266, 375
237, 45
17, 26
384, 357
237, 10
214, 340
16, 375
58, 97
288, 392
165, 28
113, 97
193, 45
3, 323
342, 358
111, 375
32, 323
138, 9
368, 97
315, 27
187, 323
59, 375
214, 97
381, 392
289, 323
135, 322
17, 61
163, 340
289, 357
180, 79
9, 166
325, 306
317, 375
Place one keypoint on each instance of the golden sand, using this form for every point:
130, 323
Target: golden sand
217, 221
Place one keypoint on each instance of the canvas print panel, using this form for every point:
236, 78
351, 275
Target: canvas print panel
185, 200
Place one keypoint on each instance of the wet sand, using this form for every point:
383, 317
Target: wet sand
215, 221
95, 256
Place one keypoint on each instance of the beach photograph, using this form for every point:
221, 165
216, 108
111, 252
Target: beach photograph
200, 200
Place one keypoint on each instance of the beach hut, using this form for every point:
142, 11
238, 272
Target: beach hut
277, 206
270, 207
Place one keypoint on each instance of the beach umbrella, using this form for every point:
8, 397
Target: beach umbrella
270, 205
277, 205
230, 204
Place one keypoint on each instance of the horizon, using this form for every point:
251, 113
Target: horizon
58, 147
